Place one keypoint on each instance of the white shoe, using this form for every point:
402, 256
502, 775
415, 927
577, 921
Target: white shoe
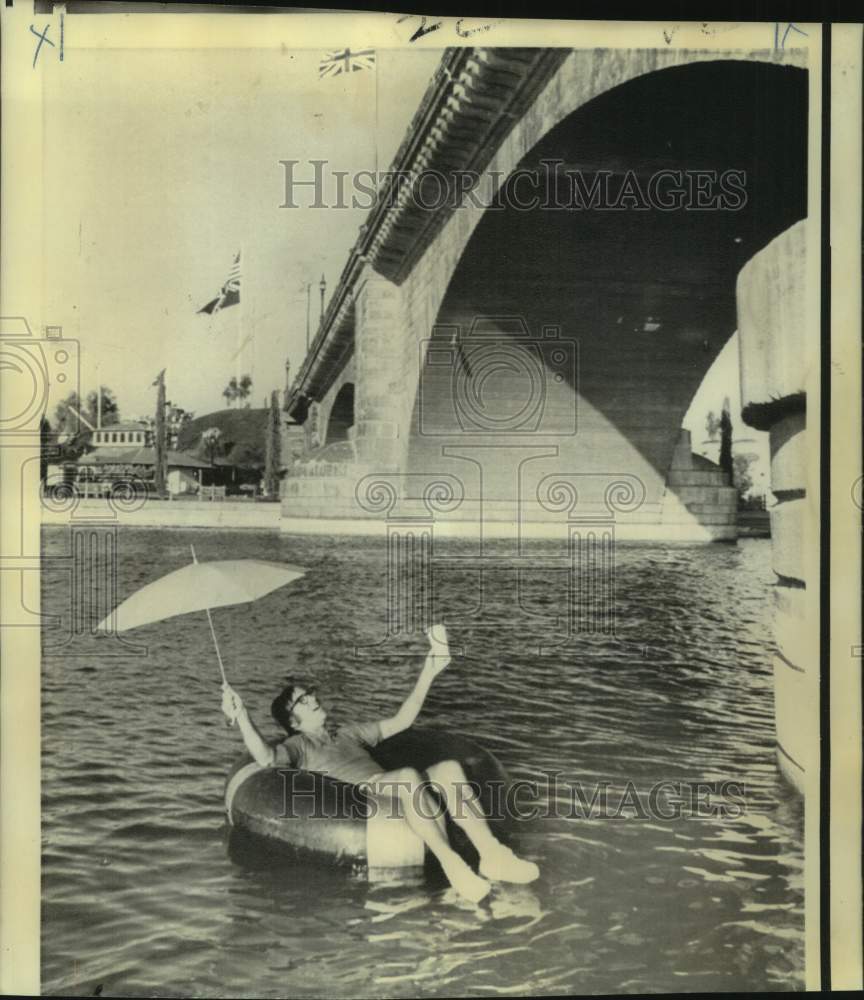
502, 865
470, 886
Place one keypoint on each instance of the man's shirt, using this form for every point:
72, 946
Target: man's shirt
344, 756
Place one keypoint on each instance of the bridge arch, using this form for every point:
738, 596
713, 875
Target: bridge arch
648, 296
341, 417
641, 298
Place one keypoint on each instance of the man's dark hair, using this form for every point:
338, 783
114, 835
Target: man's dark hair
279, 707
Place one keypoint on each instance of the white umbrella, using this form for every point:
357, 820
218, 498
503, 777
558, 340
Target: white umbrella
200, 587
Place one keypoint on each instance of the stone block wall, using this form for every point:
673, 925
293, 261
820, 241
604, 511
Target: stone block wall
698, 494
772, 324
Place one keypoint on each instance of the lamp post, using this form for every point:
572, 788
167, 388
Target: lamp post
287, 381
308, 300
322, 284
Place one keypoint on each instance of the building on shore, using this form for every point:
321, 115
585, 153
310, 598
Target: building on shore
122, 435
96, 473
124, 453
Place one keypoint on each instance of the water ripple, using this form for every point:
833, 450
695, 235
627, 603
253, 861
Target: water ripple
142, 898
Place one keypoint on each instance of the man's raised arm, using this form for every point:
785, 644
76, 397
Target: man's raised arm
235, 711
436, 660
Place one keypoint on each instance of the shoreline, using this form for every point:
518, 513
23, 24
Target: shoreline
250, 516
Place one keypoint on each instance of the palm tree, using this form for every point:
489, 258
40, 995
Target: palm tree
231, 391
244, 388
235, 391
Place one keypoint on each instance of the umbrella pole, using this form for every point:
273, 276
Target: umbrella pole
218, 654
212, 632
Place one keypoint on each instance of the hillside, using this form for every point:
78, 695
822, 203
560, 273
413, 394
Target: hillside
242, 441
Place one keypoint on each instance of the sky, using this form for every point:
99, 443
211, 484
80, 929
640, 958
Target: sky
722, 382
165, 162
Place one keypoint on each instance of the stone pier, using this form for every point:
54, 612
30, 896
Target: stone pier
378, 341
772, 324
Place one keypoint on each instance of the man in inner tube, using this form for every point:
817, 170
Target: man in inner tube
344, 755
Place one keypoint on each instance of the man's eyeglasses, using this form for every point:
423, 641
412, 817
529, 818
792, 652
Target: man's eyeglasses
303, 699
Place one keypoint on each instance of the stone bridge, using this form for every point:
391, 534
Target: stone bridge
517, 353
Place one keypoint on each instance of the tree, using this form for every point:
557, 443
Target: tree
211, 439
237, 390
245, 454
72, 433
110, 409
725, 460
177, 418
160, 474
272, 447
231, 391
76, 419
712, 425
47, 447
741, 474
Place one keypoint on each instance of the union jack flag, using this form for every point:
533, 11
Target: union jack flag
230, 294
346, 61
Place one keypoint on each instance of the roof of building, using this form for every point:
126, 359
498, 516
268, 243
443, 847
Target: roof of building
141, 456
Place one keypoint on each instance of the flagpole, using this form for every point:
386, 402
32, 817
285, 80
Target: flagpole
242, 315
376, 70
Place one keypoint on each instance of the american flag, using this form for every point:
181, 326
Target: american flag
230, 294
346, 61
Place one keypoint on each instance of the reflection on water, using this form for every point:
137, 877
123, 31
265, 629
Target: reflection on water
142, 896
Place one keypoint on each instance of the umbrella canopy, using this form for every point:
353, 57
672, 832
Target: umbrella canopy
199, 587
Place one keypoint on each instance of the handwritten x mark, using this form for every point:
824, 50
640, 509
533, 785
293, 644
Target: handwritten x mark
42, 38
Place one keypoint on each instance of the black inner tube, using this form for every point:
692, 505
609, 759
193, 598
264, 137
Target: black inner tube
416, 748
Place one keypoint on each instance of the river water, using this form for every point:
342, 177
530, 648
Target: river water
144, 896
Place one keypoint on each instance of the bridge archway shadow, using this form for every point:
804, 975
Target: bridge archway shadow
641, 296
